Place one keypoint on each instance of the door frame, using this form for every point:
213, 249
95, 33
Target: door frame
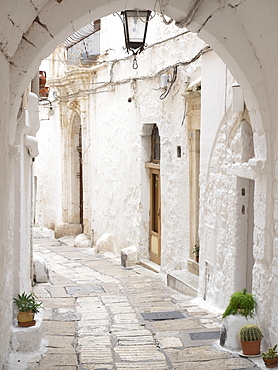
155, 216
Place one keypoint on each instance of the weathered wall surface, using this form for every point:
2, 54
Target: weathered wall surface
15, 184
48, 189
218, 206
233, 253
7, 211
116, 104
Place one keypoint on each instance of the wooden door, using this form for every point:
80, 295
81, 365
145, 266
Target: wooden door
155, 212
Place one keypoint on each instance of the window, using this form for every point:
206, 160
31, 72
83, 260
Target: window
155, 145
84, 45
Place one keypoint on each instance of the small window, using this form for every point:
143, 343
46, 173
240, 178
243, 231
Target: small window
155, 145
84, 45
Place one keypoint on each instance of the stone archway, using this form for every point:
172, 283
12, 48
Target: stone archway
242, 33
72, 202
225, 27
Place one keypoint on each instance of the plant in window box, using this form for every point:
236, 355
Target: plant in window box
27, 306
241, 302
270, 357
196, 252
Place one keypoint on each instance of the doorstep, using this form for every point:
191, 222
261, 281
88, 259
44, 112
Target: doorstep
150, 265
184, 282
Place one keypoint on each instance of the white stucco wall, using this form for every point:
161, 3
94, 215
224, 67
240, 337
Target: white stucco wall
217, 197
7, 210
115, 147
48, 172
229, 170
48, 166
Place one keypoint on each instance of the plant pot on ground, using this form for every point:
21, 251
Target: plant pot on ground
270, 357
241, 302
250, 337
27, 306
196, 251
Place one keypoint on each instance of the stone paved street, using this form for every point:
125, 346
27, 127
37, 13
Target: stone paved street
92, 317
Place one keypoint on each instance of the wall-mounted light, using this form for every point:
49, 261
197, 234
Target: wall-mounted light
51, 110
135, 24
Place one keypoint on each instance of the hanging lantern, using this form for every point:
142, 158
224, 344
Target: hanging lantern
135, 28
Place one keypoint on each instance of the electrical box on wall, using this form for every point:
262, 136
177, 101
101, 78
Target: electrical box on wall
238, 102
163, 81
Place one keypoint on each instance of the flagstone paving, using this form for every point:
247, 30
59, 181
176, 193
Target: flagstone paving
92, 317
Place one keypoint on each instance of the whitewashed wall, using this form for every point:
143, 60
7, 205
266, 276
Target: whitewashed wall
47, 171
230, 167
48, 165
218, 206
16, 193
7, 210
115, 148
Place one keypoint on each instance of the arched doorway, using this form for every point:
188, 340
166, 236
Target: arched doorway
72, 177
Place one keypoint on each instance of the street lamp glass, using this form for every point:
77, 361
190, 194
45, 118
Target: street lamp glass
135, 26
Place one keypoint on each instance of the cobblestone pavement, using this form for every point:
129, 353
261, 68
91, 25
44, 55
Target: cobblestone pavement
92, 317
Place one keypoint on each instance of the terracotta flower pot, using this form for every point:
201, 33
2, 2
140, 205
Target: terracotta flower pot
270, 362
26, 318
42, 78
251, 348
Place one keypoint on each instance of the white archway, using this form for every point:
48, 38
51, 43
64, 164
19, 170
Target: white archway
227, 28
242, 33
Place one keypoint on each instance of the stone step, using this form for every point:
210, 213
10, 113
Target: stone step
150, 265
184, 282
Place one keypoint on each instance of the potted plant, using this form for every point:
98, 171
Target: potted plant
27, 306
250, 337
196, 251
270, 357
241, 302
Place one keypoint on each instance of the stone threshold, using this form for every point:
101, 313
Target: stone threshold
184, 282
150, 265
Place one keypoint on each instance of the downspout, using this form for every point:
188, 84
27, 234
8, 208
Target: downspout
34, 89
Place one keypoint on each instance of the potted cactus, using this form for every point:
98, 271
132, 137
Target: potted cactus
250, 337
270, 357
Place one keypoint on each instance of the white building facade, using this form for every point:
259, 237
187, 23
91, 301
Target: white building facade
108, 180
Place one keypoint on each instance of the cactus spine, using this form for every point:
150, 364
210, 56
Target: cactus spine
250, 332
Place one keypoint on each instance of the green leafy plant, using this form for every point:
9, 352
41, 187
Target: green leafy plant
241, 302
271, 353
250, 332
196, 250
27, 303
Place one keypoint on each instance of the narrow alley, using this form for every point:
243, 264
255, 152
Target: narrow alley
95, 317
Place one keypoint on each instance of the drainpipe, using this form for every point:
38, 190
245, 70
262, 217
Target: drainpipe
31, 147
31, 223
